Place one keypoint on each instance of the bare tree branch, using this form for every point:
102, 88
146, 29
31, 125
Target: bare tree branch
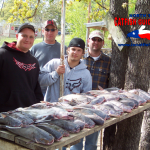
100, 5
34, 11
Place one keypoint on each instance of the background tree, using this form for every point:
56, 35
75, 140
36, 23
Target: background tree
19, 10
50, 10
76, 21
126, 134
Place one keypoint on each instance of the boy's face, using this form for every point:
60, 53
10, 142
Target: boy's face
75, 53
25, 39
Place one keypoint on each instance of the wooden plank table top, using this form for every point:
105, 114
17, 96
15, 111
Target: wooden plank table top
73, 137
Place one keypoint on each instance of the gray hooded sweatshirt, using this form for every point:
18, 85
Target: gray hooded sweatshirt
76, 80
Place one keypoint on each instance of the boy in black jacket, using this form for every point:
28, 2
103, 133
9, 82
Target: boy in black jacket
19, 72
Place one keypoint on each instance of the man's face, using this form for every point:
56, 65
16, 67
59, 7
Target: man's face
95, 44
50, 33
25, 39
75, 53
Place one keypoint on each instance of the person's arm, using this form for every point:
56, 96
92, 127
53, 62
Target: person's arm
87, 83
50, 73
32, 50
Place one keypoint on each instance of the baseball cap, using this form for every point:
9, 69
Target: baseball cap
25, 25
96, 33
50, 22
77, 42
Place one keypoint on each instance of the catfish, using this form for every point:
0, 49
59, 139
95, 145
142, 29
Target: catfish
47, 127
88, 122
69, 126
10, 121
32, 133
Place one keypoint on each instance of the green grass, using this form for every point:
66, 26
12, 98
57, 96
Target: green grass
37, 40
58, 38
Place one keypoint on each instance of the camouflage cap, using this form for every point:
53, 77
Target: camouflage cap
50, 22
96, 33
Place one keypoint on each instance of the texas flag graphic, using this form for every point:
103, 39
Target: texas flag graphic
141, 34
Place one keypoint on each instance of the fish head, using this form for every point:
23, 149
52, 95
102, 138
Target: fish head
47, 140
14, 122
134, 34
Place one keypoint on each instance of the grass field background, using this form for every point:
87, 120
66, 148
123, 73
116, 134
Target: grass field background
107, 43
37, 40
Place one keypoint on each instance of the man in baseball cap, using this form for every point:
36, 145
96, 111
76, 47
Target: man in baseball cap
99, 66
77, 42
50, 22
96, 33
49, 48
77, 77
18, 69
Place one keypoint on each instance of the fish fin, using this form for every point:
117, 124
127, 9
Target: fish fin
100, 88
36, 140
3, 115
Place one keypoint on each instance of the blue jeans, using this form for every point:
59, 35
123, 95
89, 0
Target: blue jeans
90, 142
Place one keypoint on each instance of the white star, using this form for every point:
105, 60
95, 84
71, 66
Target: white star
133, 33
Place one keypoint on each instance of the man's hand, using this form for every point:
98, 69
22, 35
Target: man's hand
60, 70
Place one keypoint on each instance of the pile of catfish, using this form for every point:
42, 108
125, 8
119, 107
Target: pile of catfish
48, 122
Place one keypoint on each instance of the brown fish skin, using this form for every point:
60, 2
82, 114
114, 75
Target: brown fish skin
32, 133
10, 121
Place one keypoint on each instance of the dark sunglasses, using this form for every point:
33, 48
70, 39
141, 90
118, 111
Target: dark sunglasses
52, 30
98, 40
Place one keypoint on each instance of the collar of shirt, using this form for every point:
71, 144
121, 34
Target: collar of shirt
102, 57
13, 46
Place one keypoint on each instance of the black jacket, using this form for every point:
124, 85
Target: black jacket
19, 85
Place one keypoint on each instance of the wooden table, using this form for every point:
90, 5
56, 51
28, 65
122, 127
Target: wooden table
17, 140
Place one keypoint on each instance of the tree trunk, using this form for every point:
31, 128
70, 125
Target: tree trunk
126, 134
142, 62
118, 67
119, 58
145, 132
